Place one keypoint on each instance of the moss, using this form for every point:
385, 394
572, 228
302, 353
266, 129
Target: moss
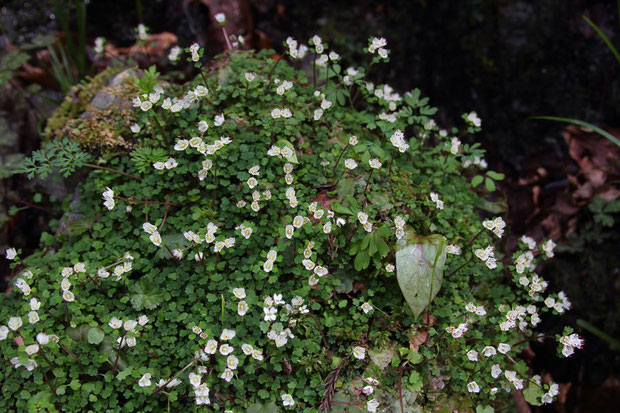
91, 126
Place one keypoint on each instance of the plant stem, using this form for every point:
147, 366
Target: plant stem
103, 168
226, 38
159, 389
368, 181
340, 157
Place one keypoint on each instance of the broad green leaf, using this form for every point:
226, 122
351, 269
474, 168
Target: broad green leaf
145, 294
343, 407
362, 260
95, 336
419, 269
488, 182
341, 209
532, 394
262, 408
477, 180
495, 175
282, 143
484, 409
382, 357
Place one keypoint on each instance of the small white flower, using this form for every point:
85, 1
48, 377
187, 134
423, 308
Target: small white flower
359, 352
473, 387
10, 253
287, 400
220, 18
372, 405
145, 380
115, 323
503, 348
374, 163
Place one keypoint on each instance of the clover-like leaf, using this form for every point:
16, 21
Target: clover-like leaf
145, 294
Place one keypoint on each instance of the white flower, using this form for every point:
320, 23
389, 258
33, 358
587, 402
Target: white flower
350, 163
276, 113
220, 18
146, 105
232, 362
367, 307
33, 317
495, 371
68, 296
219, 119
374, 163
225, 349
247, 349
368, 390
359, 352
42, 338
210, 347
15, 323
489, 351
31, 349
353, 140
160, 166
115, 323
34, 304
130, 325
239, 293
155, 238
287, 400
227, 375
227, 334
503, 348
472, 355
145, 380
143, 320
181, 145
242, 308
473, 387
390, 267
473, 119
135, 128
249, 76
372, 405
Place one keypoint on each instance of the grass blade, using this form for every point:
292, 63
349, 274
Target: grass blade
605, 38
581, 123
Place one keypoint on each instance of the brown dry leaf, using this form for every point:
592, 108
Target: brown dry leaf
156, 44
19, 340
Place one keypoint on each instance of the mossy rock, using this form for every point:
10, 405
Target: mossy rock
96, 111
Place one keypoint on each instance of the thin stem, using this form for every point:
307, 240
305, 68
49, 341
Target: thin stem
318, 326
226, 38
118, 351
71, 353
165, 213
161, 388
103, 168
368, 181
273, 68
340, 157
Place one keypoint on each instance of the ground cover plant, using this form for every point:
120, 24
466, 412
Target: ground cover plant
274, 242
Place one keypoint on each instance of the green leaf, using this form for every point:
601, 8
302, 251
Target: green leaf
282, 143
145, 294
581, 123
362, 260
477, 180
419, 269
495, 175
95, 336
605, 38
262, 408
483, 408
532, 394
124, 374
341, 209
488, 182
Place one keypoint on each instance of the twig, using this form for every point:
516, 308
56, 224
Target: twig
165, 213
103, 168
160, 388
318, 326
